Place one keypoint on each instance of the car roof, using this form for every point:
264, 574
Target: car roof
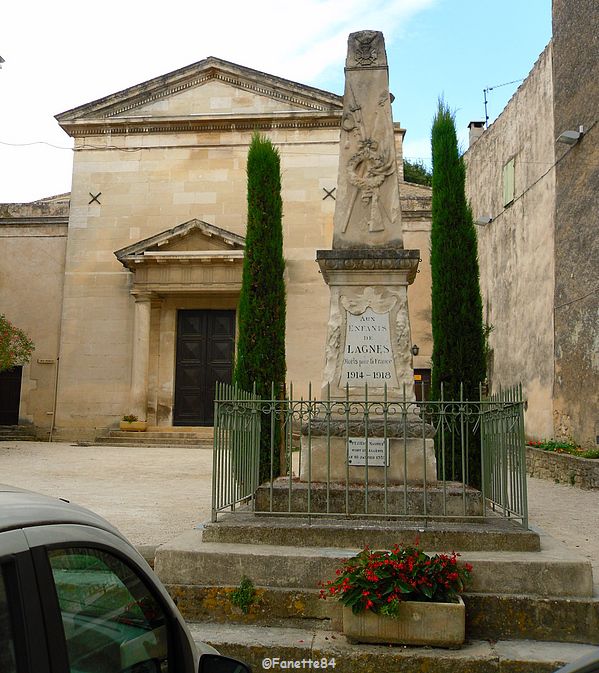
20, 508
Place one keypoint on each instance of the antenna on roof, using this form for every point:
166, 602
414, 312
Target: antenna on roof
490, 88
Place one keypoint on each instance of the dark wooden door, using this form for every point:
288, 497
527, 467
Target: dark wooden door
10, 394
205, 347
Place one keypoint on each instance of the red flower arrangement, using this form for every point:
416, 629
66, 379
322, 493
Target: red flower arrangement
380, 580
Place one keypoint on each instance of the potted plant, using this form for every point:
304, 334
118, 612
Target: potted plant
130, 423
401, 596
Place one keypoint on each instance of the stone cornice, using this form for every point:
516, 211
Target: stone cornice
368, 260
202, 123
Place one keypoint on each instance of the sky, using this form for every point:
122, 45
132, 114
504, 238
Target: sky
66, 53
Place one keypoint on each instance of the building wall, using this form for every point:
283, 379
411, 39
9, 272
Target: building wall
153, 189
576, 102
150, 182
32, 248
516, 250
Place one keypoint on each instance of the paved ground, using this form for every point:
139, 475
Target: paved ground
154, 494
150, 494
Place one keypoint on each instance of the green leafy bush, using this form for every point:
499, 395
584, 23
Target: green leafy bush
380, 580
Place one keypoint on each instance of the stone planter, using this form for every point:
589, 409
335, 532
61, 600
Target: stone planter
133, 426
436, 624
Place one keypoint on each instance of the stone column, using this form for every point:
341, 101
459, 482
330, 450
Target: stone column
141, 355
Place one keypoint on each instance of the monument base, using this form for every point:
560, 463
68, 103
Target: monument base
451, 501
409, 460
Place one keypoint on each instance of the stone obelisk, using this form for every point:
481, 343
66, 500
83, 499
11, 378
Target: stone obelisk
368, 272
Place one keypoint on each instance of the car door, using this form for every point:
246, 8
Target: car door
23, 644
103, 611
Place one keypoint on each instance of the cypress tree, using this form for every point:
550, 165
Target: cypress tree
260, 359
457, 322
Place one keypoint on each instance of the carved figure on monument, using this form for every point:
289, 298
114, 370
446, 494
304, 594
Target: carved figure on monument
367, 185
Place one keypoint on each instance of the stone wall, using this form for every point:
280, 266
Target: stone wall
576, 101
33, 239
516, 250
562, 468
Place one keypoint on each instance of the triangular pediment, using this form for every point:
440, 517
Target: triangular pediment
209, 87
193, 240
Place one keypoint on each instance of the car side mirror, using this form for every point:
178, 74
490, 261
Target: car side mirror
216, 663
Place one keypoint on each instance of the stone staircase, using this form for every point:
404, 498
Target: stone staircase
158, 436
17, 433
530, 607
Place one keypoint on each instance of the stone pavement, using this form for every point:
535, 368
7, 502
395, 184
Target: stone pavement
154, 494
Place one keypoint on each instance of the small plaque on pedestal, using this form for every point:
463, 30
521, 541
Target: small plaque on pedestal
378, 449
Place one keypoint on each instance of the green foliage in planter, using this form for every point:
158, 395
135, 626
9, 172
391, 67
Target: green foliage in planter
260, 359
457, 322
568, 447
15, 346
245, 595
130, 418
380, 580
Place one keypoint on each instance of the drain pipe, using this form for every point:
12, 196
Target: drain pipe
55, 398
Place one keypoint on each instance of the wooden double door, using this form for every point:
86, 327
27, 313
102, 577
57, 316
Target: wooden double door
205, 351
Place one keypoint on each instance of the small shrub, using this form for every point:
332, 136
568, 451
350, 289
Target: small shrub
245, 595
130, 418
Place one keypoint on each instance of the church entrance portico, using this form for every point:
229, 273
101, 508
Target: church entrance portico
186, 284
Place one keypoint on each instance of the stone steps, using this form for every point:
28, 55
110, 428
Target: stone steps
488, 616
17, 433
254, 644
496, 534
187, 560
155, 438
545, 595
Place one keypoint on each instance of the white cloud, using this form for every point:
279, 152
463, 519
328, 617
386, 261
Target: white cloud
73, 52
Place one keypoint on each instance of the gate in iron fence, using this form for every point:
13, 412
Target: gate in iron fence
370, 458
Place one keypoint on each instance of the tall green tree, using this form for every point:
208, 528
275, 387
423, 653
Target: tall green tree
260, 360
457, 318
15, 346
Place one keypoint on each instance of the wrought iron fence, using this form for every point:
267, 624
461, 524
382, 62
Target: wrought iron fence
377, 458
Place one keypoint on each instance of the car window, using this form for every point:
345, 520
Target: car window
112, 623
7, 644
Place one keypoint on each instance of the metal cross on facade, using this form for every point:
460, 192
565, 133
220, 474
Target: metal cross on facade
95, 198
329, 193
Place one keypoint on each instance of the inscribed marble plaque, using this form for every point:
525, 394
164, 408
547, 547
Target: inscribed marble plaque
368, 355
378, 449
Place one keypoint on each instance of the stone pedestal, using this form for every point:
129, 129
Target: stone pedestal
368, 335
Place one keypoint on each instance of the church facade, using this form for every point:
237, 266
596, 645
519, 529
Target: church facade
129, 284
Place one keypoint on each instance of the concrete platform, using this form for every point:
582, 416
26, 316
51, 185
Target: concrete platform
254, 645
451, 500
494, 534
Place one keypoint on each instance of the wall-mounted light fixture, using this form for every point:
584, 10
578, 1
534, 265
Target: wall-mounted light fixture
415, 350
570, 137
483, 220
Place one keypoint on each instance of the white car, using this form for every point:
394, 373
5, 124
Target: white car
76, 597
587, 664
